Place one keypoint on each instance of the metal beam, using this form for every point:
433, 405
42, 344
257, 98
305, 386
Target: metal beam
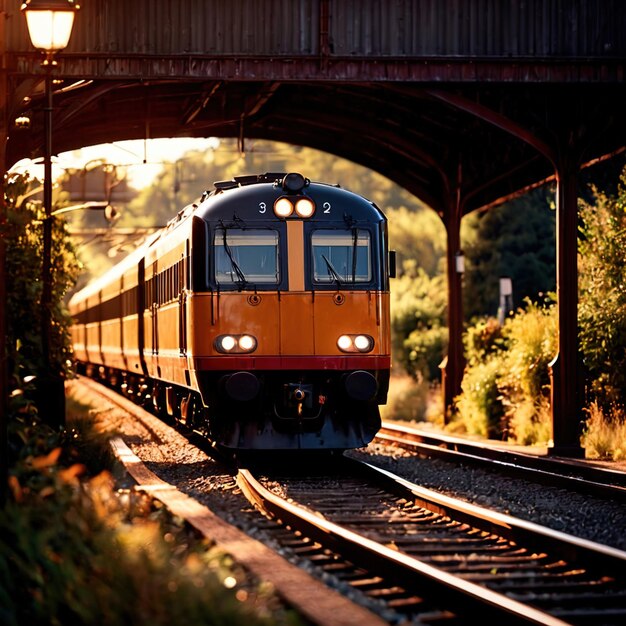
354, 69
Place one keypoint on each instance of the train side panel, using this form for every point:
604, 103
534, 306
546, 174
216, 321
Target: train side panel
165, 307
131, 349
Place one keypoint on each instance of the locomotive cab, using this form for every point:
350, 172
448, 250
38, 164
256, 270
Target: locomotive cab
295, 289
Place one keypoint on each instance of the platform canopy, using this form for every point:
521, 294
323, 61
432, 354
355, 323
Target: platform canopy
439, 96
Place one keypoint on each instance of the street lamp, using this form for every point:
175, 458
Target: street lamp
49, 27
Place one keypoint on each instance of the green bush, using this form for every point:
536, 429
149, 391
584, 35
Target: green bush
505, 389
482, 340
424, 348
532, 341
480, 404
23, 237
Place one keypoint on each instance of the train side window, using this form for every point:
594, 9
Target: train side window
246, 256
341, 256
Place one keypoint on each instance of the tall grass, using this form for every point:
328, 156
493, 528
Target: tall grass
407, 399
604, 436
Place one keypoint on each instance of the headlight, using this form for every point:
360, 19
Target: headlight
226, 343
344, 343
235, 344
283, 207
305, 207
363, 343
247, 343
355, 343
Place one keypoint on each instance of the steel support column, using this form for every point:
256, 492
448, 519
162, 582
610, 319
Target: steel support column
454, 363
566, 157
564, 371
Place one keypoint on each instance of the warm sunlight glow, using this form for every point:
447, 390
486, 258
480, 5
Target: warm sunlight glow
142, 159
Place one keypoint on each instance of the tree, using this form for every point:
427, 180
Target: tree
602, 299
419, 234
419, 334
516, 240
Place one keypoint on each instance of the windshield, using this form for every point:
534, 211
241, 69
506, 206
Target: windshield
246, 256
341, 256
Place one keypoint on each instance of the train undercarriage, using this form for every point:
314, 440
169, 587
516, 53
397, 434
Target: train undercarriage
263, 410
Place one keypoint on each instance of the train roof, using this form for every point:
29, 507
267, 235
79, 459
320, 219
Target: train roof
252, 198
131, 260
241, 200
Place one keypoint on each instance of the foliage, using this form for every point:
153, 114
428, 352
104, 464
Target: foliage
419, 337
73, 549
483, 340
23, 237
505, 389
425, 347
602, 301
417, 235
531, 337
530, 421
516, 240
480, 405
526, 344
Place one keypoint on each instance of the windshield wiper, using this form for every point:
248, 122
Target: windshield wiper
355, 249
332, 272
241, 277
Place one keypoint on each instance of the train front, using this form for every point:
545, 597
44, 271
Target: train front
289, 318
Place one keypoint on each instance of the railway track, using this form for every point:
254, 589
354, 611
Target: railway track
434, 559
584, 478
386, 590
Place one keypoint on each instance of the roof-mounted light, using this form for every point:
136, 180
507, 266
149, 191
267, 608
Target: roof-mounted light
294, 182
285, 207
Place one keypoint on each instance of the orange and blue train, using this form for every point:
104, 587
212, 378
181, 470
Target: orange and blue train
258, 316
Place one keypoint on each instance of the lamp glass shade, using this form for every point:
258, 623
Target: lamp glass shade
49, 30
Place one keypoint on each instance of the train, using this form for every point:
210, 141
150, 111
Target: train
258, 316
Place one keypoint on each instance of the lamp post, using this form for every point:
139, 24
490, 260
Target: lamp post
49, 27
